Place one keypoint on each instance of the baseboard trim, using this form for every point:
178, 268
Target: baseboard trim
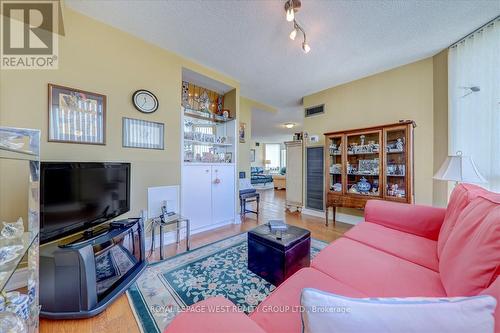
169, 237
341, 217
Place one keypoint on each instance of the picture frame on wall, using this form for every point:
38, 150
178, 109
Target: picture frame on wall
76, 116
252, 155
137, 133
242, 132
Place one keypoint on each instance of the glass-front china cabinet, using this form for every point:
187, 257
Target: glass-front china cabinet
19, 232
369, 163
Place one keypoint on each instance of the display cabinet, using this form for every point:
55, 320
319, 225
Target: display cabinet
208, 138
369, 163
19, 241
209, 141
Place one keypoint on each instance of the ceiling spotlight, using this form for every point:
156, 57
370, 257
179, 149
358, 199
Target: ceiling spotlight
305, 47
291, 6
290, 15
289, 125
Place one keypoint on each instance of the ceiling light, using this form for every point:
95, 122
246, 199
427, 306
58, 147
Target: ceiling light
289, 125
291, 7
290, 15
306, 47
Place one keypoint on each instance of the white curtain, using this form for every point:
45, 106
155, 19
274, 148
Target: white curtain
272, 154
474, 101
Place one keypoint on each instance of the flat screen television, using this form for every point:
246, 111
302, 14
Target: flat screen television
75, 196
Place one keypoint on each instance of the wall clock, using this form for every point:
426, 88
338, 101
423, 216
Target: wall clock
145, 101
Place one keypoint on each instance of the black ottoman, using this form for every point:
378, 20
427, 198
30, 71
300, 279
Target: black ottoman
277, 259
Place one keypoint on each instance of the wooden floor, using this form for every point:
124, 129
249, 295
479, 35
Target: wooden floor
119, 317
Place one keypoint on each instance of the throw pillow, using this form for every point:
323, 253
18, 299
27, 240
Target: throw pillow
329, 313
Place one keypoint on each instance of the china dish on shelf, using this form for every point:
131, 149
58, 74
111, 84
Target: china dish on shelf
363, 185
18, 303
10, 323
396, 146
11, 141
9, 253
13, 230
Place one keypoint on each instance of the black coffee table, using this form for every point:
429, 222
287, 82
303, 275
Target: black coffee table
276, 259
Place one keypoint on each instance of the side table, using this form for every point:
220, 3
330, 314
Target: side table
172, 220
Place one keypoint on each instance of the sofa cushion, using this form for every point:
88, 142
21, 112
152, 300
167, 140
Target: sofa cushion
461, 196
419, 250
419, 220
470, 260
494, 290
376, 273
279, 312
325, 312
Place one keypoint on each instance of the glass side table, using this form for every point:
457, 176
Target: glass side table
175, 220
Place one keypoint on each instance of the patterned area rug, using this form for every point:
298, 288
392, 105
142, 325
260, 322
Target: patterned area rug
217, 269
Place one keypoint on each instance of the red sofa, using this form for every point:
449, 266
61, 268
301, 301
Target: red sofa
399, 251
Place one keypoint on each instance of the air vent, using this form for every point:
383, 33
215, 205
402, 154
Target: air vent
312, 111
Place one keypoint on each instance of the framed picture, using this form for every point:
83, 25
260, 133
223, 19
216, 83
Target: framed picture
142, 134
242, 132
228, 157
252, 155
76, 116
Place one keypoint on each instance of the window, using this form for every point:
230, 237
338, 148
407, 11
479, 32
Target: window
474, 100
272, 156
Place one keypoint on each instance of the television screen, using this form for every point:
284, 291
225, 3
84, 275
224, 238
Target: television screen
75, 196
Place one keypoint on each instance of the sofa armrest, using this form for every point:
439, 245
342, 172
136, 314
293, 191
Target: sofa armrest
213, 315
424, 221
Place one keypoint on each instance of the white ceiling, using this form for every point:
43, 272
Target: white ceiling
248, 40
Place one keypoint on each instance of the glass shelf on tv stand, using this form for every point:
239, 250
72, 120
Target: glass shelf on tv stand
8, 268
21, 147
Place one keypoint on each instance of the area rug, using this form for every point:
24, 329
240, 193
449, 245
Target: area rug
217, 269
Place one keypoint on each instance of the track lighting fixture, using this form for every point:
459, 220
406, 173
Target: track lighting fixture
305, 47
291, 7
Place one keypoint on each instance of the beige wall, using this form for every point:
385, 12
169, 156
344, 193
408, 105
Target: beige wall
259, 153
440, 144
405, 92
99, 58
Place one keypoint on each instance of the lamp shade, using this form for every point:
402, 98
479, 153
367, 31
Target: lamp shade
267, 162
459, 168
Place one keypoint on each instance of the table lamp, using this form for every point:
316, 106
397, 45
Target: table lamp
267, 162
461, 169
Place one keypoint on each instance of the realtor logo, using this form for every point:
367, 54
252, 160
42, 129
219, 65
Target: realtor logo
29, 37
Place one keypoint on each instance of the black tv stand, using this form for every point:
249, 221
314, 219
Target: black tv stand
81, 275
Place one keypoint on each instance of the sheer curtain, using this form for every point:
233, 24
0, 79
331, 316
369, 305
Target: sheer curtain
272, 154
474, 101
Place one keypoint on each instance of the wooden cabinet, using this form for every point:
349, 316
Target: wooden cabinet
369, 163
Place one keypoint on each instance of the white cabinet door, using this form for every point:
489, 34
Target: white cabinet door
223, 193
196, 195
